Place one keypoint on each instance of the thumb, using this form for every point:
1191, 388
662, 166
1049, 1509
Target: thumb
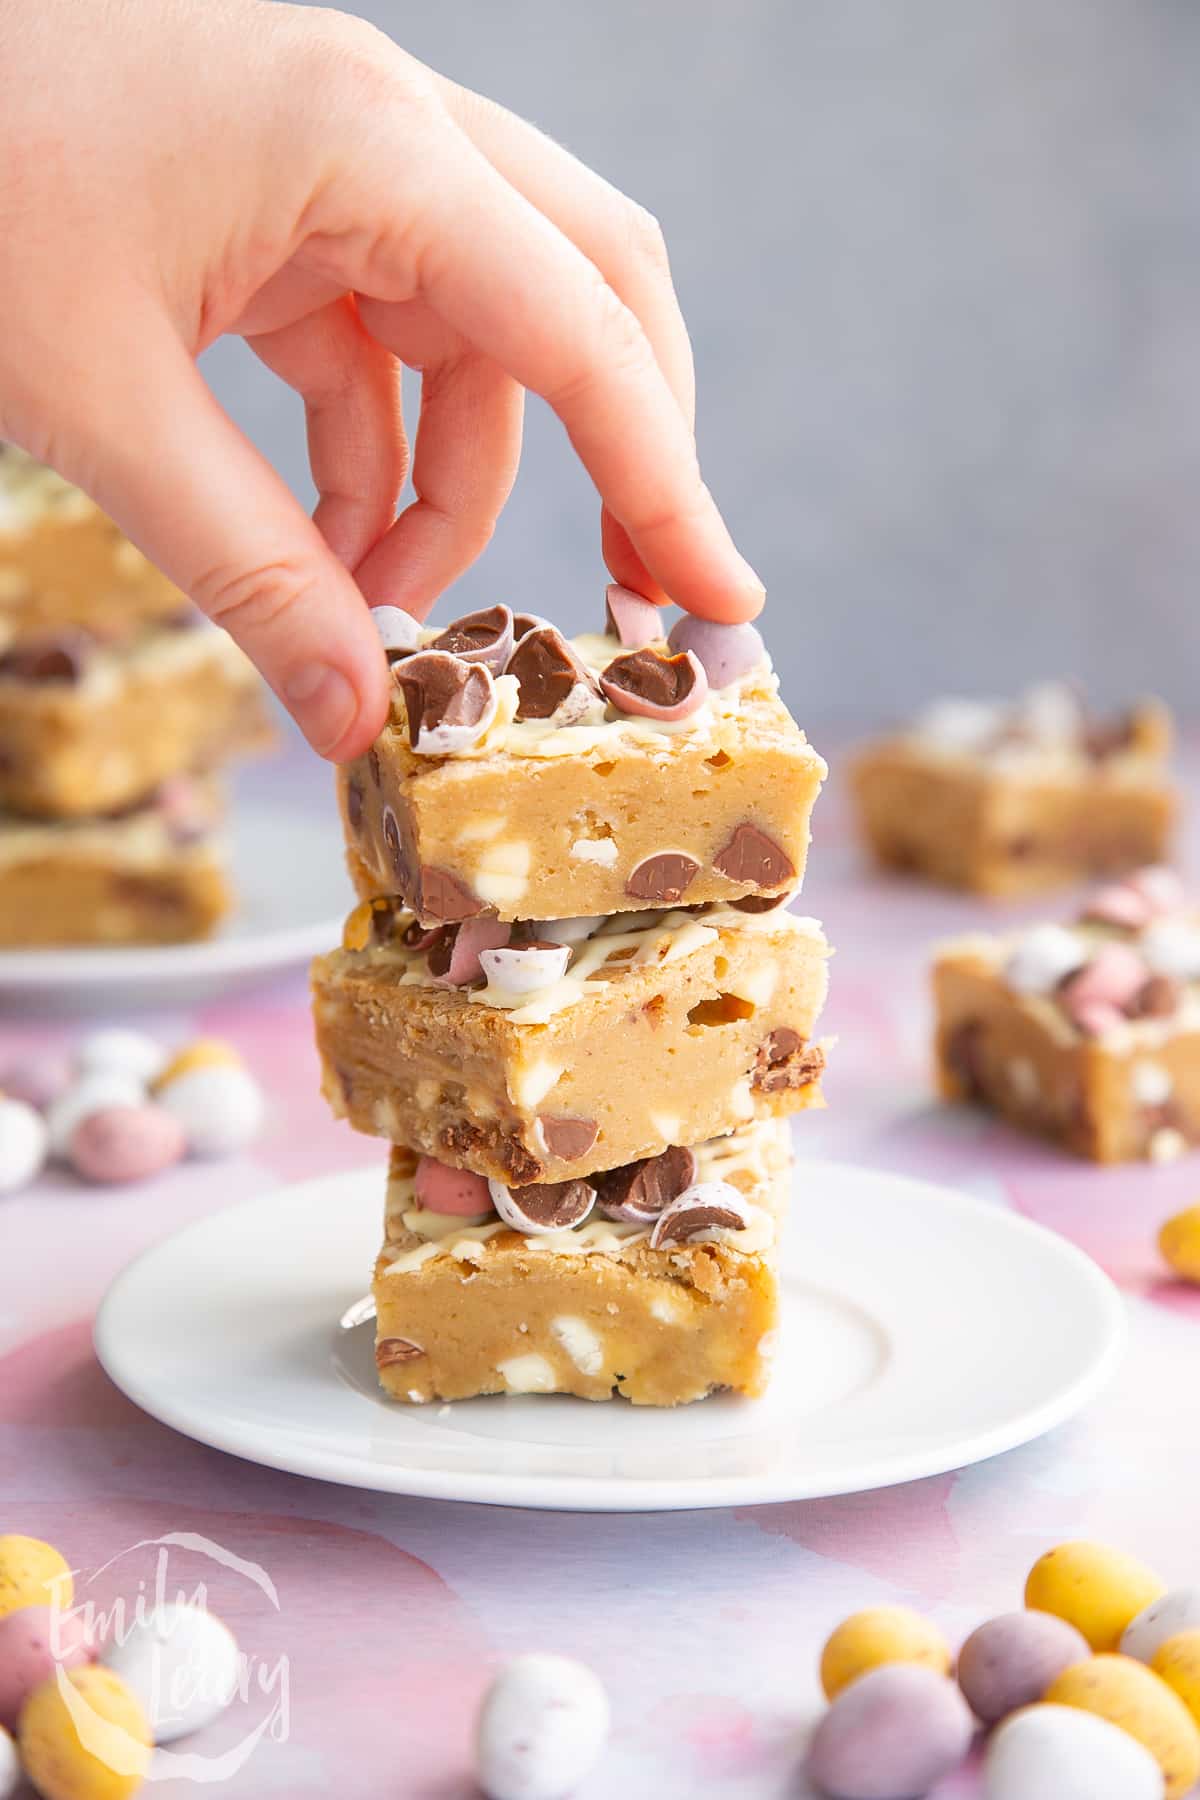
191, 491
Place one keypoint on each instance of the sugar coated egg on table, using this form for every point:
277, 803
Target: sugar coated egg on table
33, 1642
102, 1757
1010, 1661
541, 1728
1060, 1753
1094, 1587
1177, 1662
10, 1767
180, 1663
214, 1097
24, 1144
890, 1735
1130, 1695
126, 1052
1175, 1611
91, 1093
1179, 1242
878, 1635
126, 1143
32, 1573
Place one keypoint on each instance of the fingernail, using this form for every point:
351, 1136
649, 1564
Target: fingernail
323, 703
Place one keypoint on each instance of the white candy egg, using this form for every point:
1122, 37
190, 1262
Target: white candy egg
220, 1108
181, 1663
541, 1729
122, 1052
93, 1092
525, 969
24, 1142
1175, 1611
1062, 1753
10, 1767
1043, 957
1172, 947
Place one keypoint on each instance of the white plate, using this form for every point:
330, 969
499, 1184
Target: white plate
923, 1331
288, 871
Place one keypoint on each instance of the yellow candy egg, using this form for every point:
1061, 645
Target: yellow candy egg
1095, 1588
205, 1053
881, 1634
32, 1574
1130, 1695
1177, 1662
93, 1743
1179, 1241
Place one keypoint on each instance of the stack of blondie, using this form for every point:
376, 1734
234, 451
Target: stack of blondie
575, 1001
117, 704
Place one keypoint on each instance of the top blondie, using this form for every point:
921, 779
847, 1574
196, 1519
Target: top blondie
531, 776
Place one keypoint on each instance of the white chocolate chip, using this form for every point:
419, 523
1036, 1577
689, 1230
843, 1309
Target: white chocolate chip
667, 1126
668, 1309
1167, 1145
1172, 947
1043, 958
580, 1342
756, 986
528, 1374
768, 1345
595, 850
479, 831
502, 874
530, 1085
741, 1099
1151, 1084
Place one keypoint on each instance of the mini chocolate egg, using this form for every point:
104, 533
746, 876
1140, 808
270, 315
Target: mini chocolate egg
397, 629
201, 1053
525, 968
91, 1093
1059, 1753
24, 1143
32, 1574
890, 1735
33, 1642
180, 1664
726, 652
1093, 1587
1130, 1695
441, 1189
1177, 1662
880, 1634
1043, 955
111, 1765
1179, 1243
541, 1728
1011, 1661
1175, 1611
38, 1081
126, 1143
10, 1767
126, 1052
220, 1108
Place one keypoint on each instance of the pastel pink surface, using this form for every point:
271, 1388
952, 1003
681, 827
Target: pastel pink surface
705, 1627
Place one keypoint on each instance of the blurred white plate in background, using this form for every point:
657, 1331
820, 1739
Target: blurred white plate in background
288, 870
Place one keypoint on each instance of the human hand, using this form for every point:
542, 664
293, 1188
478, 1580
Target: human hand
169, 173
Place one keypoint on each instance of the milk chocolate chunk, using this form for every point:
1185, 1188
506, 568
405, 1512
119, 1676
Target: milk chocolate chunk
62, 657
707, 1206
483, 637
565, 1138
652, 685
524, 623
663, 879
543, 1206
547, 670
443, 898
397, 850
750, 855
354, 804
784, 1060
1159, 999
636, 1193
1105, 737
759, 903
449, 702
391, 1351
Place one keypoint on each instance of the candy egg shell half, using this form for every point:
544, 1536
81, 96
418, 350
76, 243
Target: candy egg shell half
32, 1574
1173, 1612
541, 1728
1094, 1587
126, 1143
397, 629
1128, 1694
878, 1635
24, 1144
1058, 1753
1010, 1662
124, 1052
91, 1093
32, 1641
181, 1665
58, 1762
890, 1735
220, 1109
10, 1766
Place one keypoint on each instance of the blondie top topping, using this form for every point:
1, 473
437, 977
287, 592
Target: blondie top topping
1127, 971
493, 681
1051, 725
725, 1191
533, 971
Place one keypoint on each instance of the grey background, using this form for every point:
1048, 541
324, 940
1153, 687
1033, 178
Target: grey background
941, 263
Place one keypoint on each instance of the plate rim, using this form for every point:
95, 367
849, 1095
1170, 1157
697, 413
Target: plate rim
629, 1494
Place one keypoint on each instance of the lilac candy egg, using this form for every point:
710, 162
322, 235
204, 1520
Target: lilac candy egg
727, 652
891, 1734
441, 1189
125, 1143
38, 1082
32, 1642
1011, 1661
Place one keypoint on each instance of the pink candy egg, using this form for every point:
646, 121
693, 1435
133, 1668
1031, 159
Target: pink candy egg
1114, 977
473, 935
631, 618
125, 1143
441, 1189
31, 1642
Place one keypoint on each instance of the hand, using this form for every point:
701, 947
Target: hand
170, 172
